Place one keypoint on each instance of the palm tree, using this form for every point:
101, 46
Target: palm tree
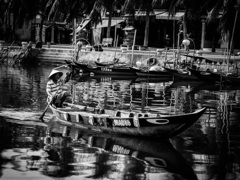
193, 11
229, 10
130, 6
62, 10
212, 9
100, 8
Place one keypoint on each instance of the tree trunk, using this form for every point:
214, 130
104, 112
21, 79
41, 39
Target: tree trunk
13, 28
41, 28
109, 22
185, 25
146, 33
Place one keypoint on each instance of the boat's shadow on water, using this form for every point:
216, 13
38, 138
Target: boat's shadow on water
61, 151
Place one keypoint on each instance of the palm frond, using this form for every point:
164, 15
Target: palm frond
54, 10
215, 11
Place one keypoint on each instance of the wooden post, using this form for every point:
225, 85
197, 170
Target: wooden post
74, 39
134, 39
203, 33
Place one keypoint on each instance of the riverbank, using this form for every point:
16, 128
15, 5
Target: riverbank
60, 53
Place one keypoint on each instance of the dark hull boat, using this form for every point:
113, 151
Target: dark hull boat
110, 64
106, 78
103, 64
148, 73
231, 79
182, 74
76, 68
126, 123
81, 65
205, 75
109, 70
152, 79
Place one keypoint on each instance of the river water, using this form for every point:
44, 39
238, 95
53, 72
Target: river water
209, 149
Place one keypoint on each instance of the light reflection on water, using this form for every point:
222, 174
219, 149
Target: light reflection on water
210, 146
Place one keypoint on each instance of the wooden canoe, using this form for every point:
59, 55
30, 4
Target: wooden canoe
182, 74
116, 64
231, 79
205, 75
148, 73
126, 123
109, 70
103, 64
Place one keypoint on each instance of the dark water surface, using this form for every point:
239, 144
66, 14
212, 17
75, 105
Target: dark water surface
210, 149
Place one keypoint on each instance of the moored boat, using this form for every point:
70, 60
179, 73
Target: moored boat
103, 64
231, 79
126, 123
183, 74
205, 75
76, 68
81, 66
109, 70
116, 64
150, 73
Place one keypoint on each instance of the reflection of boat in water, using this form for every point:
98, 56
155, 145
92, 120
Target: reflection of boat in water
206, 86
105, 78
182, 83
152, 79
66, 151
156, 155
125, 156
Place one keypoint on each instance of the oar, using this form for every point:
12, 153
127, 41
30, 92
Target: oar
45, 110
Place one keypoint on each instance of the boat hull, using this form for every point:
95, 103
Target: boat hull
152, 74
185, 75
106, 70
205, 75
128, 123
233, 80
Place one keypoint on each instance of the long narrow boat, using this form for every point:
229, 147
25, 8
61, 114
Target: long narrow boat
115, 63
127, 123
152, 79
231, 79
182, 74
81, 65
205, 75
109, 70
76, 68
150, 73
103, 64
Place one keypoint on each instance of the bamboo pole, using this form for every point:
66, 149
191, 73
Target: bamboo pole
234, 27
